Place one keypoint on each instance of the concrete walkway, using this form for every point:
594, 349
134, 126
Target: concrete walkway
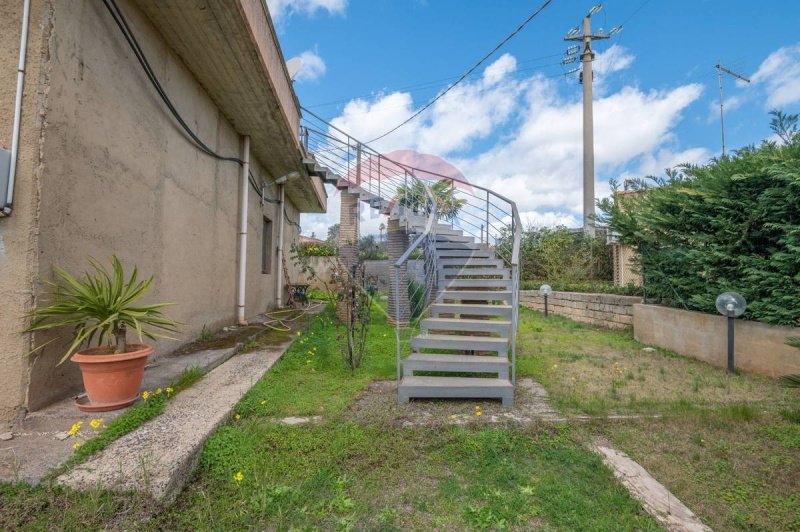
656, 499
40, 441
158, 457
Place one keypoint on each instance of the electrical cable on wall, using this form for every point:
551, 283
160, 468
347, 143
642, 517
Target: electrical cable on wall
122, 24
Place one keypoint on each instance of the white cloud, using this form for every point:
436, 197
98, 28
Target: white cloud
469, 112
614, 59
780, 74
313, 67
279, 9
536, 149
548, 219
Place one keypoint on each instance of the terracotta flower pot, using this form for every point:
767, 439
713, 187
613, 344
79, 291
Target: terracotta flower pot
111, 381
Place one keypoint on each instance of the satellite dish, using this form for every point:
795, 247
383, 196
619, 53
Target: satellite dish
293, 66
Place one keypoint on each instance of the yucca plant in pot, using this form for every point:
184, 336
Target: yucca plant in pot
102, 305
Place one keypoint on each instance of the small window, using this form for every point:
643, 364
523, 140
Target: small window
266, 246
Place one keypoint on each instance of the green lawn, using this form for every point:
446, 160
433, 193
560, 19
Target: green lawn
338, 474
725, 445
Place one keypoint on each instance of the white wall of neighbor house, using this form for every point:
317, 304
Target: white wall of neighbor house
105, 170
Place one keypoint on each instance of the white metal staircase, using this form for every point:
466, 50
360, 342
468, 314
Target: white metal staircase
463, 294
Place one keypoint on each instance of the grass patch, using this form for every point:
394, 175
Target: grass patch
727, 446
733, 470
589, 370
340, 474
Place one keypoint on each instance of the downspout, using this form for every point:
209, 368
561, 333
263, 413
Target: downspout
242, 273
23, 47
279, 266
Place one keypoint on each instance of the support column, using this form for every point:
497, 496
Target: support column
396, 245
348, 239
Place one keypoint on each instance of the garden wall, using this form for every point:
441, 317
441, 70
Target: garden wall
606, 310
759, 348
376, 269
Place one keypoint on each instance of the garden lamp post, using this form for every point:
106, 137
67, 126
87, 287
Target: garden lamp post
732, 305
545, 290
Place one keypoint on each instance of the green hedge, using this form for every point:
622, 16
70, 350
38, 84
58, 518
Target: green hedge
732, 225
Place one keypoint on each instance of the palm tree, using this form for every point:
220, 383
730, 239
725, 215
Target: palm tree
414, 197
382, 228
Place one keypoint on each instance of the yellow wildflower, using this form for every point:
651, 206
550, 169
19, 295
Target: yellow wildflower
555, 366
299, 333
145, 395
237, 417
478, 413
238, 477
453, 416
263, 402
169, 390
75, 428
96, 423
158, 391
76, 446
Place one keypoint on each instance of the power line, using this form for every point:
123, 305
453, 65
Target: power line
468, 72
434, 83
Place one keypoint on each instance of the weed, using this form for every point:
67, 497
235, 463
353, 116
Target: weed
206, 334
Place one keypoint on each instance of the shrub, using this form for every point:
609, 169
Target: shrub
733, 224
562, 255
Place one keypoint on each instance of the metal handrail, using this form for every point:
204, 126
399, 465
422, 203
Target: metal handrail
391, 175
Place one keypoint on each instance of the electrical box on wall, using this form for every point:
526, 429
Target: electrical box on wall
5, 173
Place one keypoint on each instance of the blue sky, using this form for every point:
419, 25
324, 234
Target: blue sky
370, 64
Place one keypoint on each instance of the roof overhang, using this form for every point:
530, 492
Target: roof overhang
232, 49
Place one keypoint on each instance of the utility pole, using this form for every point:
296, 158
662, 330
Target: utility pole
586, 77
720, 70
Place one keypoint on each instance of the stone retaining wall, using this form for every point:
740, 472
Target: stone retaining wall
606, 310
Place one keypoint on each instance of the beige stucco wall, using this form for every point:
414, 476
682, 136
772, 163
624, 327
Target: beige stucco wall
18, 251
117, 176
758, 347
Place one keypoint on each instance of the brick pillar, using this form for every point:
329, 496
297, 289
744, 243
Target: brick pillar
348, 239
396, 245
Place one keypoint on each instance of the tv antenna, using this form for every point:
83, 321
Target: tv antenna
722, 70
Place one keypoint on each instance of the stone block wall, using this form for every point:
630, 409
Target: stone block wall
607, 310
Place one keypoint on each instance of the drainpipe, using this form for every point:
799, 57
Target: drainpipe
242, 273
279, 266
23, 46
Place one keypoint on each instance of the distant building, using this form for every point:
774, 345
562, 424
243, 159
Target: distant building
624, 257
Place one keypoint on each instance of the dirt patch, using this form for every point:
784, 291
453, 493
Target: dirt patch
378, 405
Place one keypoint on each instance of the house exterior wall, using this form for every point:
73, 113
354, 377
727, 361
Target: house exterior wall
624, 259
18, 235
105, 171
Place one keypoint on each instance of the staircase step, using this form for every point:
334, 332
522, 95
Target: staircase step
448, 284
460, 245
505, 273
470, 310
456, 364
465, 253
461, 343
474, 295
454, 238
459, 324
456, 388
469, 263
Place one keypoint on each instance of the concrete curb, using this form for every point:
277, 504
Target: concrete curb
158, 457
656, 499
